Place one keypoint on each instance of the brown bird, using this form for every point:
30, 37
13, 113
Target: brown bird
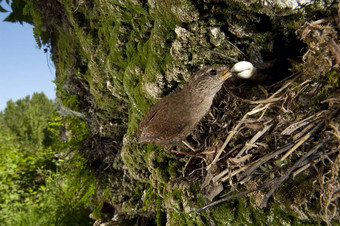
174, 117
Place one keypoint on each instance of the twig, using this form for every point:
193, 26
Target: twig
336, 132
231, 134
303, 168
308, 135
237, 49
225, 56
264, 91
331, 100
231, 174
245, 176
184, 169
193, 154
285, 176
258, 108
304, 131
298, 144
264, 101
232, 150
283, 87
277, 182
291, 128
189, 146
235, 196
234, 173
246, 147
253, 140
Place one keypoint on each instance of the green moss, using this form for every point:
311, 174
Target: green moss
223, 213
333, 79
159, 213
149, 196
135, 163
262, 38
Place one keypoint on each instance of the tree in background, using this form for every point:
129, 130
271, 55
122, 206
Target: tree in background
28, 118
41, 183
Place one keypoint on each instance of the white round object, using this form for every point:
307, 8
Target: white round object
243, 69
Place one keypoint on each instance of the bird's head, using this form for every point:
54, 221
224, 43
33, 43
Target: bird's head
210, 78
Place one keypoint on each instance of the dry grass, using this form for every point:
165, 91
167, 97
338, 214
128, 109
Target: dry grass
293, 129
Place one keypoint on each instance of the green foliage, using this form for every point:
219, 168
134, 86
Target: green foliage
28, 117
54, 205
43, 180
10, 193
26, 11
18, 12
22, 168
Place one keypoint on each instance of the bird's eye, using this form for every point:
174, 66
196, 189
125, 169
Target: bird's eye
213, 72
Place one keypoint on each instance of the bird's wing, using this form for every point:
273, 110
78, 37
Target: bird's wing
146, 119
164, 121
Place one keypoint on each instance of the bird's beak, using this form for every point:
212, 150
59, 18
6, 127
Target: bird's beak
226, 74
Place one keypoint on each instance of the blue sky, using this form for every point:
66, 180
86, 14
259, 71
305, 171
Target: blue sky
24, 68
